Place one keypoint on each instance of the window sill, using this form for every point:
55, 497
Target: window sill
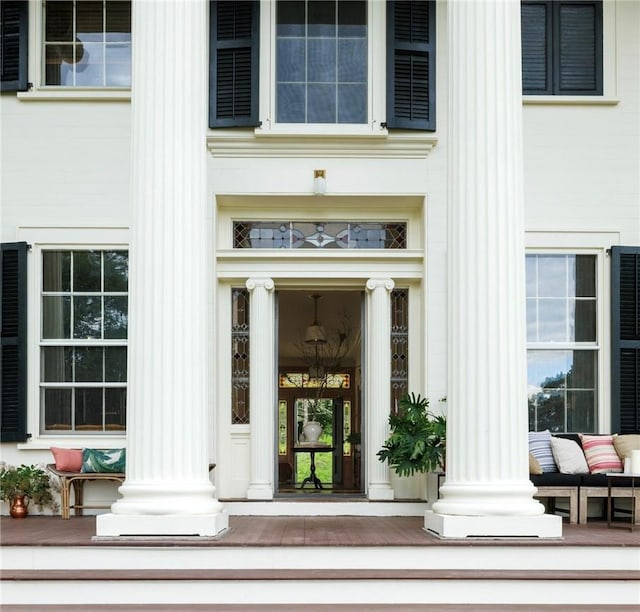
258, 143
102, 441
570, 100
75, 95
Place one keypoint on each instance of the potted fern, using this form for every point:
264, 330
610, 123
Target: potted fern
417, 442
23, 485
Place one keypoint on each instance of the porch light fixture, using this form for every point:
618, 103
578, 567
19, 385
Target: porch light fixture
319, 182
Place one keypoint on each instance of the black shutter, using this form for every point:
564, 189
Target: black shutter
537, 51
625, 335
578, 54
13, 335
562, 47
14, 16
234, 63
411, 61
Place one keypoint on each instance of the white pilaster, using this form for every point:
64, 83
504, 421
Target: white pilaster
261, 387
487, 491
167, 490
378, 375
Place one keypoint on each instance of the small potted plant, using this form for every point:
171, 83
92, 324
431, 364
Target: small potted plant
23, 485
417, 442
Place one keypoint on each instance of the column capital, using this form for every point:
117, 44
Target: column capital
266, 283
380, 283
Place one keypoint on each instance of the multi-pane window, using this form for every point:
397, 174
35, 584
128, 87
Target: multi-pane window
87, 43
562, 47
562, 356
83, 341
321, 61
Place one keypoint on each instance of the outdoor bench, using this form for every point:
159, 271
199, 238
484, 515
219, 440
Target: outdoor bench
579, 488
77, 481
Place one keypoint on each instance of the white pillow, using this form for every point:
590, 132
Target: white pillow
569, 456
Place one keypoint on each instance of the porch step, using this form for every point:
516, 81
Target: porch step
315, 575
262, 588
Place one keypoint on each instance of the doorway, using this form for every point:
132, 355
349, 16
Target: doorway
319, 388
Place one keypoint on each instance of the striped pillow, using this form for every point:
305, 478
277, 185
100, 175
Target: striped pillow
540, 448
600, 454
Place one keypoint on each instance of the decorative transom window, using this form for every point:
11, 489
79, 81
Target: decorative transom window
326, 235
87, 43
83, 346
562, 355
321, 61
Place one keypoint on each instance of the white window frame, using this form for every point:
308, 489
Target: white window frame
52, 238
376, 86
609, 68
36, 70
586, 243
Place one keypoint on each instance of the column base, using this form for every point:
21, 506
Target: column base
459, 526
113, 525
380, 493
260, 492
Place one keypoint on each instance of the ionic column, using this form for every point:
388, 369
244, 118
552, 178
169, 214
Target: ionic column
378, 375
261, 387
487, 490
167, 490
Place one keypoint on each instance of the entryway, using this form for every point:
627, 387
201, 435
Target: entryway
319, 366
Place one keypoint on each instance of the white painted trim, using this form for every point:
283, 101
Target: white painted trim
587, 243
58, 238
382, 145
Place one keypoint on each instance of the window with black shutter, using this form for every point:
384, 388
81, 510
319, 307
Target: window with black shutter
13, 336
562, 47
625, 334
233, 72
14, 16
411, 44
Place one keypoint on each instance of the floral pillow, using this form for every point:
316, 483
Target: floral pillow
94, 460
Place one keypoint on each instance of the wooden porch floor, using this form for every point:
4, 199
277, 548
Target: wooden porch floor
323, 531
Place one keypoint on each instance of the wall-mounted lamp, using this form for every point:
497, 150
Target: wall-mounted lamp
319, 182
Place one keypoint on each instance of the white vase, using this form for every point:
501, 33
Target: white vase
312, 431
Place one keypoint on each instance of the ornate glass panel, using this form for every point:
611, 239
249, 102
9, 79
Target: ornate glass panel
399, 345
319, 235
240, 356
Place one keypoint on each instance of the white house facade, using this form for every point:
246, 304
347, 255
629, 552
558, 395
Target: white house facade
449, 190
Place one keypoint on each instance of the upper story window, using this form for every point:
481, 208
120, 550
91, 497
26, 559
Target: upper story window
87, 43
321, 61
562, 47
312, 63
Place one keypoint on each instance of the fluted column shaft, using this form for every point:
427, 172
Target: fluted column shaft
487, 468
378, 369
167, 453
261, 387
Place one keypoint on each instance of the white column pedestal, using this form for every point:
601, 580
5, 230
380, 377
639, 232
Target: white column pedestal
167, 490
378, 375
487, 492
